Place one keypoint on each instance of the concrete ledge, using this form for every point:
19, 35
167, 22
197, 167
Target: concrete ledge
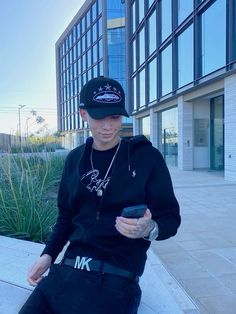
161, 292
12, 298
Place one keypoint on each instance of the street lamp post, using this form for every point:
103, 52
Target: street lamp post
27, 127
19, 109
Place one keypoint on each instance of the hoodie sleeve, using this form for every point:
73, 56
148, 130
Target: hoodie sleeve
63, 226
161, 199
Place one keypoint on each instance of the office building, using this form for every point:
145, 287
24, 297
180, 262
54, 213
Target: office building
93, 44
181, 80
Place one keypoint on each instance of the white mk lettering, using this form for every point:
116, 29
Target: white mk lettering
82, 262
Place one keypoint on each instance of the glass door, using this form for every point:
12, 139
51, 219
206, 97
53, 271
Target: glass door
217, 133
170, 136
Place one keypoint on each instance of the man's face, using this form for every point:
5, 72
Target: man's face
104, 130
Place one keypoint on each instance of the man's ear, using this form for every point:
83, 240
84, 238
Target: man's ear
83, 114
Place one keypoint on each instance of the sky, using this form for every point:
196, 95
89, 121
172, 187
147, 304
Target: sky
29, 30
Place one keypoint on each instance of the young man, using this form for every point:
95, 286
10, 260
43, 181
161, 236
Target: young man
107, 252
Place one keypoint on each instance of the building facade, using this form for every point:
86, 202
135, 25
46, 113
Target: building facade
181, 80
93, 44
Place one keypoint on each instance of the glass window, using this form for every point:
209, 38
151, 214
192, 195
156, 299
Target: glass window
95, 71
60, 52
64, 93
141, 46
134, 56
71, 89
94, 32
214, 37
99, 7
67, 44
116, 52
153, 80
67, 75
71, 56
166, 14
74, 34
141, 9
78, 30
100, 27
88, 19
95, 54
75, 69
84, 63
83, 25
71, 72
94, 12
63, 64
79, 83
84, 78
75, 52
142, 81
88, 38
63, 48
133, 17
150, 2
89, 58
115, 9
166, 69
135, 92
145, 126
152, 33
78, 48
100, 47
70, 40
66, 124
83, 44
184, 9
75, 86
79, 66
68, 91
185, 57
89, 74
101, 68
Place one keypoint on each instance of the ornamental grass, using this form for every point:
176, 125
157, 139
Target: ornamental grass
28, 193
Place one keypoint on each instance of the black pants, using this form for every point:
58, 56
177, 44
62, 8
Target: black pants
70, 291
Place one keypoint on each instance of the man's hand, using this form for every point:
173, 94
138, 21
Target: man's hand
135, 228
36, 271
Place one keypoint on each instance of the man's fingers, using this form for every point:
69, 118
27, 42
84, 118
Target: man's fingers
134, 228
148, 214
34, 282
128, 221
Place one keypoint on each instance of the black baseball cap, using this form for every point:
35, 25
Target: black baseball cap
102, 97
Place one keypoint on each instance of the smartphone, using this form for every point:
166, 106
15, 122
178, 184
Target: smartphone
135, 211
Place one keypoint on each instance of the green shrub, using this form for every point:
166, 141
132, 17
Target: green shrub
28, 192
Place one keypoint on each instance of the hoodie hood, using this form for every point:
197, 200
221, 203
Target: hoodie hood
134, 143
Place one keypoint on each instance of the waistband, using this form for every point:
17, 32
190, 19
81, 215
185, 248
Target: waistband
90, 264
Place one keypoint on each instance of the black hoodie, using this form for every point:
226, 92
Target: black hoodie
139, 176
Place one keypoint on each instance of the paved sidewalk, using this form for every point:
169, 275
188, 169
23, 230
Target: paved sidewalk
202, 257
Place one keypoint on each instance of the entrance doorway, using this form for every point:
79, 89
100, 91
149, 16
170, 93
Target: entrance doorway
169, 147
217, 133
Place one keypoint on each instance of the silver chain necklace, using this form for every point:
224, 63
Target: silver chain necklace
99, 191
